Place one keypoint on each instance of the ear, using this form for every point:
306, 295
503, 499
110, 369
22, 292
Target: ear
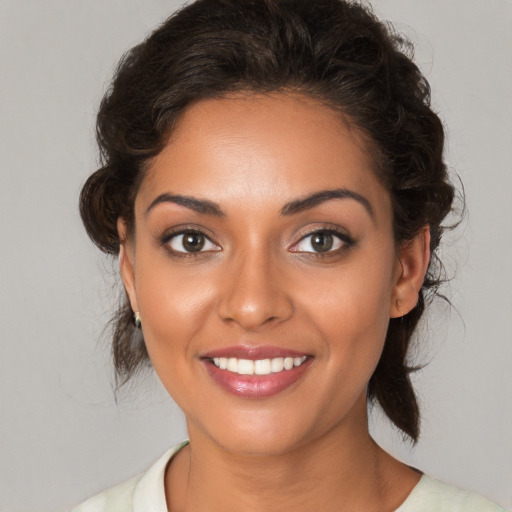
412, 264
127, 264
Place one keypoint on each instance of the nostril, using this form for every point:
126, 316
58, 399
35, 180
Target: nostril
252, 298
254, 317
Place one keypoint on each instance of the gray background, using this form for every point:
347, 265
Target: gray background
62, 435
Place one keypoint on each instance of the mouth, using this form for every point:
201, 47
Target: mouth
257, 372
258, 366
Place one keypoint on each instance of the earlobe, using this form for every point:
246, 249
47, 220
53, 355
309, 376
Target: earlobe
126, 265
412, 265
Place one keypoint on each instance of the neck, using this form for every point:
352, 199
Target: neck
342, 469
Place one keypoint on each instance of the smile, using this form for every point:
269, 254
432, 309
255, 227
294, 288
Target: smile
256, 372
258, 366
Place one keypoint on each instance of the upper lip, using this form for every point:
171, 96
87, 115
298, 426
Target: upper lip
253, 352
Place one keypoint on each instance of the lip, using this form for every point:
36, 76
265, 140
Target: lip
255, 386
253, 353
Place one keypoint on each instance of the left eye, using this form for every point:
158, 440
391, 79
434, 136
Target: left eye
321, 241
191, 242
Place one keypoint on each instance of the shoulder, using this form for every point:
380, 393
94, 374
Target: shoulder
119, 498
431, 494
136, 494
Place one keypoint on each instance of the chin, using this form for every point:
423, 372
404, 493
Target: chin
264, 434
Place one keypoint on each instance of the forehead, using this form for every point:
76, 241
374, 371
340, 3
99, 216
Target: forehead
255, 148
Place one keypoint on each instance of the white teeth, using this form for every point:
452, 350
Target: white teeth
277, 364
262, 367
245, 367
258, 366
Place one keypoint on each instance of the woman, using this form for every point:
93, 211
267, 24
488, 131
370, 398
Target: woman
274, 187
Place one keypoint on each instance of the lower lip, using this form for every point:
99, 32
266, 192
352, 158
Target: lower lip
256, 386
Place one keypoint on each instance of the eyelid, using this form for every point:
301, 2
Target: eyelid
169, 235
340, 234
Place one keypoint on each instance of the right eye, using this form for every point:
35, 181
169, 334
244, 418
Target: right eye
191, 242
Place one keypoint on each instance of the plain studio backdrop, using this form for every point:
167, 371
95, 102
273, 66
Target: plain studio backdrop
63, 437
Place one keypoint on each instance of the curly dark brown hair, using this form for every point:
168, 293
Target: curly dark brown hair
335, 51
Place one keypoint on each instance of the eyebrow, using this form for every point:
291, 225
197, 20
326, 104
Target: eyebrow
207, 207
317, 198
203, 206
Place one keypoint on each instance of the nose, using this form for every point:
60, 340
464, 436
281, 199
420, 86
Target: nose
254, 295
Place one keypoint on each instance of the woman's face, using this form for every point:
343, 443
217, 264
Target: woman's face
263, 240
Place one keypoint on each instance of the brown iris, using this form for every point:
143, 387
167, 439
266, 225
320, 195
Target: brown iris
193, 242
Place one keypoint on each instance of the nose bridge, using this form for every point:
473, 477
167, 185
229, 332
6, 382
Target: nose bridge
254, 293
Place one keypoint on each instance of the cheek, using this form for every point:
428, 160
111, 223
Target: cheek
174, 306
351, 312
355, 325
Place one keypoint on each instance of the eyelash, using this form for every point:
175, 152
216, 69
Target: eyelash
168, 237
344, 238
346, 242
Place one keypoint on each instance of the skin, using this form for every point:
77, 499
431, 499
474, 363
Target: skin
258, 281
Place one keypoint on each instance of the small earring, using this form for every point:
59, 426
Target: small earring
136, 318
